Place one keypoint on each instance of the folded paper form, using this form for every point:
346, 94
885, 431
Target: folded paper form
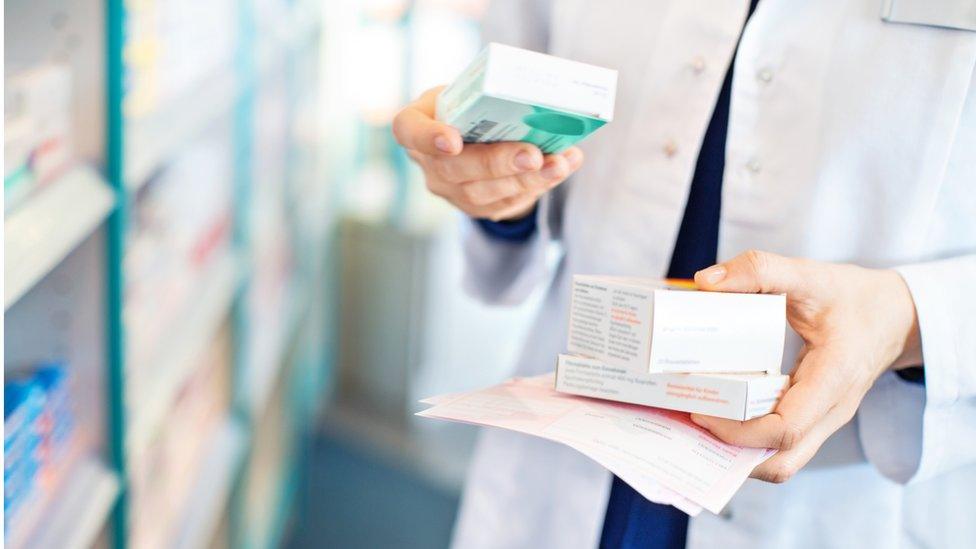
660, 453
647, 325
645, 353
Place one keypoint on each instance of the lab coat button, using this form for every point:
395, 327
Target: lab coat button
765, 75
698, 65
754, 166
670, 148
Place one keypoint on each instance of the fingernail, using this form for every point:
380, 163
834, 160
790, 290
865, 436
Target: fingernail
573, 156
552, 171
714, 274
524, 161
443, 144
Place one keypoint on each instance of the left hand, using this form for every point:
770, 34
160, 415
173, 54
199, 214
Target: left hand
855, 323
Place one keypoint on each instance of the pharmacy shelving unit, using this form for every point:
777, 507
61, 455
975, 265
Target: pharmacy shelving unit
65, 276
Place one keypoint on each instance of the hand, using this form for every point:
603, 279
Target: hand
855, 324
496, 181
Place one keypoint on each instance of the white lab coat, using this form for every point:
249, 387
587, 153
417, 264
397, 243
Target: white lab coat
851, 139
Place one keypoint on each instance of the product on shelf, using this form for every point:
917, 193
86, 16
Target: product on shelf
179, 226
38, 425
271, 220
163, 477
270, 465
37, 129
271, 15
172, 46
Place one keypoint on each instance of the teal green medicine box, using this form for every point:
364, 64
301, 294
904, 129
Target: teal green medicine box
511, 94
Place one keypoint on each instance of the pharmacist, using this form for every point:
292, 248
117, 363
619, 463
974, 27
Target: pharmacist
826, 150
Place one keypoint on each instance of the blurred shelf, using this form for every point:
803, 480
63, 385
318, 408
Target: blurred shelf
79, 511
264, 368
151, 140
292, 32
282, 512
212, 487
207, 310
45, 229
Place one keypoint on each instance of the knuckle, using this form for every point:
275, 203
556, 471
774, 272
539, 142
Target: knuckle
781, 473
490, 160
510, 202
475, 195
400, 132
790, 436
418, 158
512, 188
445, 168
758, 261
436, 187
560, 169
467, 195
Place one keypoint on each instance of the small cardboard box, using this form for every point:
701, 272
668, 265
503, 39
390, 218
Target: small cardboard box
731, 396
511, 94
653, 326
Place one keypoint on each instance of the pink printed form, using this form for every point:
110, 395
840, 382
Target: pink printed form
660, 453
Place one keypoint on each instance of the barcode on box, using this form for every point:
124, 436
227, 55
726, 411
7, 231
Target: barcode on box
479, 130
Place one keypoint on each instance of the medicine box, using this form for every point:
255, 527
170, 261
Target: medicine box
731, 396
511, 94
653, 326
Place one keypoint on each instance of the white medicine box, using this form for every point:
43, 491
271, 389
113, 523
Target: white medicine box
654, 326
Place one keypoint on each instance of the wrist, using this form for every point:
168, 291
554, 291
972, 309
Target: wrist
511, 230
519, 215
905, 328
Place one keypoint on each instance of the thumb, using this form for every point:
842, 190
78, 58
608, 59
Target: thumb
752, 272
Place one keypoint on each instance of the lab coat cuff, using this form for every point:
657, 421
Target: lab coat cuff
913, 432
504, 272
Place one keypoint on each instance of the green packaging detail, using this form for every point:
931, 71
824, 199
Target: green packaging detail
489, 120
510, 94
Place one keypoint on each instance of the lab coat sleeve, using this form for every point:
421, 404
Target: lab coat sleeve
522, 23
911, 431
501, 272
496, 271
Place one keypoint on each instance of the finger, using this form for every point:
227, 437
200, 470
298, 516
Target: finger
574, 156
803, 405
784, 464
770, 431
513, 208
756, 272
479, 162
415, 128
565, 163
483, 193
555, 170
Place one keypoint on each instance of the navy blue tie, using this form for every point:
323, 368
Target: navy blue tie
632, 521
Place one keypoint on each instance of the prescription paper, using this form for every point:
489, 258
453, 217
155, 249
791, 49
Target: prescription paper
661, 454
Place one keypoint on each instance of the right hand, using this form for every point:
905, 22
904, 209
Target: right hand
497, 181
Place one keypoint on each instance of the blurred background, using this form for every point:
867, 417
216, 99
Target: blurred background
225, 287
